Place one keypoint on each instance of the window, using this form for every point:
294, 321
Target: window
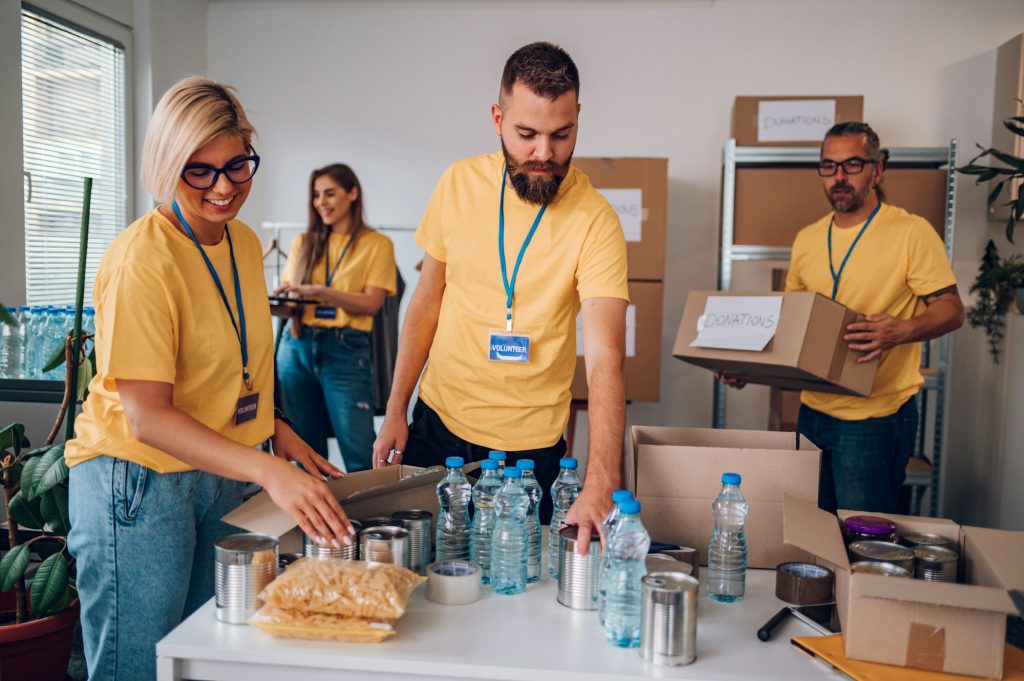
73, 122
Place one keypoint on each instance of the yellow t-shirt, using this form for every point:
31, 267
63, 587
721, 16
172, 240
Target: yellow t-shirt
369, 262
899, 259
577, 252
159, 317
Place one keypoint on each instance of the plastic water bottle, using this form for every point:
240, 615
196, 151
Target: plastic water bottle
24, 319
89, 321
453, 495
510, 543
566, 488
623, 566
535, 493
727, 550
607, 525
9, 347
481, 530
57, 332
36, 329
499, 456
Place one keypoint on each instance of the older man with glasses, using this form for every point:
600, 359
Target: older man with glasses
889, 265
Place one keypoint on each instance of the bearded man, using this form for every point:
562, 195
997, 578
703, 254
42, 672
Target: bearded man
516, 243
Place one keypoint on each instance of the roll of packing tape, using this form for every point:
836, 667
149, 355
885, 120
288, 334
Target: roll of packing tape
804, 583
454, 582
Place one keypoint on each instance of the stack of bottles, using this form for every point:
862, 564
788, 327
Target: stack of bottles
41, 330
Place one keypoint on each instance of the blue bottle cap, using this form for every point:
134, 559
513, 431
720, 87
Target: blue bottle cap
513, 472
730, 478
23, 308
496, 455
489, 465
525, 464
569, 463
620, 495
454, 462
630, 506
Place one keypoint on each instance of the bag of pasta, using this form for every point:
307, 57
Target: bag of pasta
318, 626
336, 586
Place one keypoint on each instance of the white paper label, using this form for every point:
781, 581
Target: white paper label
630, 332
629, 205
738, 322
795, 120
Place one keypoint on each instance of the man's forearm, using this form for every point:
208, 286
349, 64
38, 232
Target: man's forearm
607, 422
941, 317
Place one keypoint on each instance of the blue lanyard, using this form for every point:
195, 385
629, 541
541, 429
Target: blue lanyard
240, 325
328, 278
842, 266
510, 286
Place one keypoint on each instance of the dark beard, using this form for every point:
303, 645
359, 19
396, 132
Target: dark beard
537, 191
852, 203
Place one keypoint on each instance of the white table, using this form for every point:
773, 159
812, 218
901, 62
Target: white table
524, 638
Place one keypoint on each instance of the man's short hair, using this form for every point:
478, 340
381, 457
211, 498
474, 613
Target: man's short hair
546, 69
873, 148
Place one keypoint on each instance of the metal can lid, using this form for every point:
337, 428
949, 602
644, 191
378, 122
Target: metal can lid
935, 554
379, 521
384, 532
413, 514
869, 524
879, 568
240, 549
571, 532
881, 550
925, 539
669, 581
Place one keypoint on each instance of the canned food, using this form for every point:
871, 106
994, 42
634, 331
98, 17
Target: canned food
915, 539
868, 528
935, 563
879, 568
421, 534
311, 549
244, 565
385, 544
578, 575
882, 551
668, 619
286, 559
380, 521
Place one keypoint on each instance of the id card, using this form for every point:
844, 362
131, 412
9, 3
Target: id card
246, 408
508, 346
326, 312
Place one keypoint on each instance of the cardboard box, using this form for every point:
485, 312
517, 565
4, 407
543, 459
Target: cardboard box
807, 351
638, 190
745, 112
953, 628
773, 204
676, 473
783, 409
643, 345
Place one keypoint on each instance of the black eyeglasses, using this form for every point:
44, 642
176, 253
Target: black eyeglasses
204, 176
851, 166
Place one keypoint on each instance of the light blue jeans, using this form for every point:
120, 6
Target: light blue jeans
327, 376
143, 543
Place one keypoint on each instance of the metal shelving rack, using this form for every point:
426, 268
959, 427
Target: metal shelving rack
920, 475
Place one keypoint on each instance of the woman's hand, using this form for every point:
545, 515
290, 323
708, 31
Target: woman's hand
307, 291
290, 447
310, 502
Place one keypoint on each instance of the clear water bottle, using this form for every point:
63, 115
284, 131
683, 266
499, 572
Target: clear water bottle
534, 491
9, 347
89, 320
57, 333
566, 488
499, 456
727, 550
607, 525
622, 567
24, 319
453, 495
481, 530
509, 545
34, 342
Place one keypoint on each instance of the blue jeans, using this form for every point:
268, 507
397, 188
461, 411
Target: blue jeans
327, 376
143, 543
863, 463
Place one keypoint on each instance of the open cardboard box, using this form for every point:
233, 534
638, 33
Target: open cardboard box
806, 353
676, 473
954, 628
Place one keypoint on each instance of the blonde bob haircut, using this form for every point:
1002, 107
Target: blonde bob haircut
188, 116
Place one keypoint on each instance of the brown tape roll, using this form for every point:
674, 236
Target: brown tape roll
804, 583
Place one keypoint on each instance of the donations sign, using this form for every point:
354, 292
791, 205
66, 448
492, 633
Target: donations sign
738, 322
795, 120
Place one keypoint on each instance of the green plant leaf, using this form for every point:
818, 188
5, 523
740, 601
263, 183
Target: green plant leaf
15, 432
1008, 159
6, 317
57, 358
994, 194
85, 374
1013, 127
12, 566
54, 508
49, 585
26, 474
32, 483
26, 513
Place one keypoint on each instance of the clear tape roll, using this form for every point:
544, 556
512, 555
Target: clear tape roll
454, 582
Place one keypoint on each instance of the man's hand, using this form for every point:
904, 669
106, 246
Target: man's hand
878, 332
587, 513
390, 443
290, 447
737, 383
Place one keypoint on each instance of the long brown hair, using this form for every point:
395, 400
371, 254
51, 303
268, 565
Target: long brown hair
314, 246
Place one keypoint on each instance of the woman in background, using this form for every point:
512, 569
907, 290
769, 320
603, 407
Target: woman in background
324, 364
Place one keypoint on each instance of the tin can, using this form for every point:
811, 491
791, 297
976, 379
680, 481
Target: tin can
385, 544
420, 525
243, 565
311, 549
882, 551
915, 539
868, 528
879, 568
935, 563
578, 575
668, 619
379, 521
286, 559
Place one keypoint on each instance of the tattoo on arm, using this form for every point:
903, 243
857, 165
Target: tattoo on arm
931, 297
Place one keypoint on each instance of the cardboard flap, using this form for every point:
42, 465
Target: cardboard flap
1003, 551
261, 514
807, 527
967, 596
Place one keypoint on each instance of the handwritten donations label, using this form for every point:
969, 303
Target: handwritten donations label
629, 206
795, 120
738, 322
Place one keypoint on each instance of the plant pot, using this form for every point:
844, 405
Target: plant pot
38, 649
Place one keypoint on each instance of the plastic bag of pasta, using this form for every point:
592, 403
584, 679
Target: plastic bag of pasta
336, 586
318, 626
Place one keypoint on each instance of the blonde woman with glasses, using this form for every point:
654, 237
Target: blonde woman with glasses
184, 392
